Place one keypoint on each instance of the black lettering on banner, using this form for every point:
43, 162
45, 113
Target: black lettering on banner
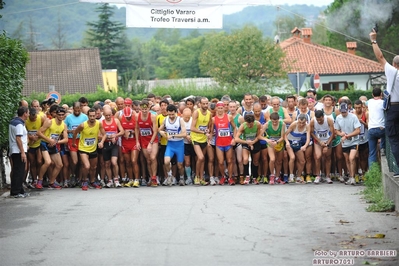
203, 20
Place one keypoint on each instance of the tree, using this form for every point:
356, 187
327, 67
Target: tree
59, 40
182, 59
241, 57
13, 59
110, 38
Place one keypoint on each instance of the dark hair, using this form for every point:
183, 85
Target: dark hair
312, 91
358, 102
61, 110
22, 110
76, 104
263, 98
377, 92
97, 107
290, 97
171, 108
190, 100
274, 116
53, 108
83, 100
151, 95
318, 113
163, 101
212, 106
91, 110
32, 111
249, 118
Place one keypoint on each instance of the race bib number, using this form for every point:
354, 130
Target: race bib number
89, 141
322, 134
172, 133
32, 132
224, 133
131, 134
203, 128
54, 136
274, 138
295, 143
75, 127
145, 132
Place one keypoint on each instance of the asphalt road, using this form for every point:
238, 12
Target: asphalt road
221, 225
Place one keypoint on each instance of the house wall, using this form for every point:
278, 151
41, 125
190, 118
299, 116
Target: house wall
359, 81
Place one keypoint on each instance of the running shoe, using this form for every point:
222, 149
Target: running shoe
66, 184
197, 181
54, 185
154, 182
169, 181
351, 181
247, 180
32, 185
259, 179
85, 186
189, 181
73, 180
116, 182
181, 182
174, 181
272, 179
217, 180
255, 180
39, 184
279, 180
143, 182
19, 195
129, 183
231, 182
285, 179
317, 180
341, 179
102, 183
308, 179
212, 181
222, 181
300, 180
241, 180
95, 185
357, 179
265, 180
136, 183
203, 182
110, 184
291, 179
328, 180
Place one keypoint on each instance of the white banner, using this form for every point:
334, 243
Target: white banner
182, 2
174, 16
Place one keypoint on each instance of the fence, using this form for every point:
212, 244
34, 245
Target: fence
393, 167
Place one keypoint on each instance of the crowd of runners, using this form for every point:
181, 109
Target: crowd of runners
200, 141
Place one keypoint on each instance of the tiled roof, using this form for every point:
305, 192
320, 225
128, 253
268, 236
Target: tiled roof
313, 58
69, 71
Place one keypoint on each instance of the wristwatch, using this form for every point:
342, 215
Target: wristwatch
374, 42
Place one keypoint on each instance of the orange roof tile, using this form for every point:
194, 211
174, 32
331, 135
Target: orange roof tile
314, 58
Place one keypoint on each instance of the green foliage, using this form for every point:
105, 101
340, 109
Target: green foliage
13, 59
373, 193
241, 57
110, 39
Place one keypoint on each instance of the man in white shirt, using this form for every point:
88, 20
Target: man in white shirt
376, 125
18, 143
392, 115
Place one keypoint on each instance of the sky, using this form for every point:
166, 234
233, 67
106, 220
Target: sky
233, 9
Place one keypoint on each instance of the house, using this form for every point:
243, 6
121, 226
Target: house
65, 71
337, 69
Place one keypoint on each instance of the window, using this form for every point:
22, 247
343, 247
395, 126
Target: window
337, 86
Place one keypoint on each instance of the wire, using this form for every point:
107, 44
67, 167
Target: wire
330, 29
47, 7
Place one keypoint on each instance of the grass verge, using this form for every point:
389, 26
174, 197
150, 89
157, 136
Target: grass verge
373, 193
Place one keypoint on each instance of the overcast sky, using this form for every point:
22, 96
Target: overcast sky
233, 9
